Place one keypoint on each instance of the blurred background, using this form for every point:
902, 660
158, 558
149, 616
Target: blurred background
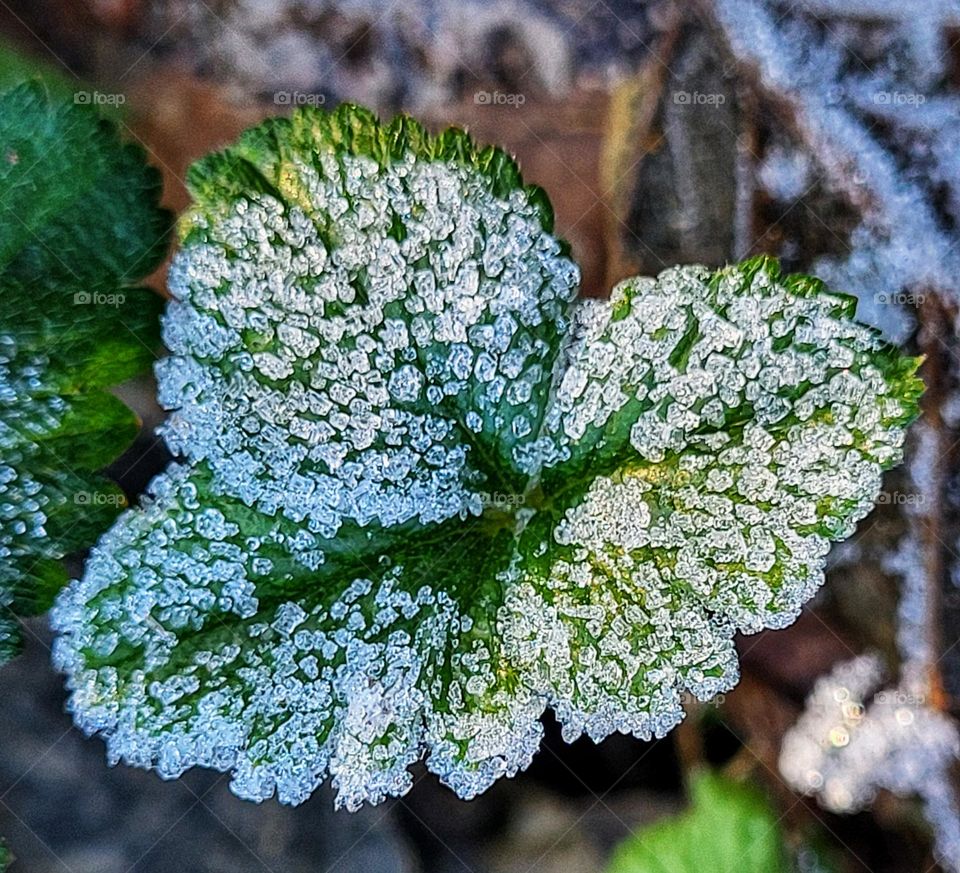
826, 132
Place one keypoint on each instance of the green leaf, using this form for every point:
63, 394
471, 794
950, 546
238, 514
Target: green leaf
739, 422
17, 67
81, 226
300, 679
424, 493
729, 828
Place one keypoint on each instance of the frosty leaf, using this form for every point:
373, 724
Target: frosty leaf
426, 494
666, 364
352, 677
729, 828
745, 421
82, 223
405, 283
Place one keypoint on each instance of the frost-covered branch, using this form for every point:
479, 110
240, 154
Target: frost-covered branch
901, 240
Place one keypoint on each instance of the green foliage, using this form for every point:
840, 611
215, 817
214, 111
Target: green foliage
17, 67
425, 492
729, 828
81, 226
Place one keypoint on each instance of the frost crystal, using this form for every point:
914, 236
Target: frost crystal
853, 740
426, 493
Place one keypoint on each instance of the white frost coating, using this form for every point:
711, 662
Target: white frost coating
900, 245
679, 362
280, 694
265, 613
850, 742
708, 529
28, 410
601, 632
317, 422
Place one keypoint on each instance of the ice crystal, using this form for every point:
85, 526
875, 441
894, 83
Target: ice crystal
853, 740
426, 493
70, 326
846, 72
423, 55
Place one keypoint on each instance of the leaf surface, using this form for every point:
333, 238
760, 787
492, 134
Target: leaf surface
81, 225
425, 492
729, 828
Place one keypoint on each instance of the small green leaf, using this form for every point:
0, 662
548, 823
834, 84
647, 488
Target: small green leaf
729, 828
424, 493
81, 225
17, 67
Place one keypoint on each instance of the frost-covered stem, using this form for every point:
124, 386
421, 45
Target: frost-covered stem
855, 164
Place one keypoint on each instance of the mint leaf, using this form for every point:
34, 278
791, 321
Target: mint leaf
425, 493
729, 828
81, 225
